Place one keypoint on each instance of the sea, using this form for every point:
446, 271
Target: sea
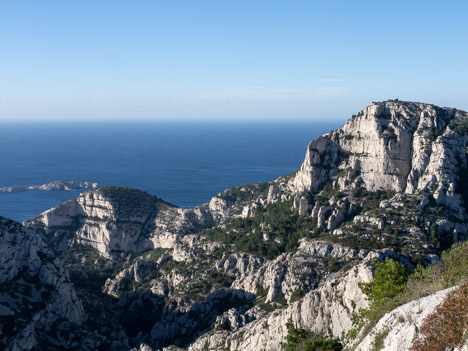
184, 163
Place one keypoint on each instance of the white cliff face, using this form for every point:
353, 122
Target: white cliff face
36, 290
405, 147
111, 226
188, 289
118, 221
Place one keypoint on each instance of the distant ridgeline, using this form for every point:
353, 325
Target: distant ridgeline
57, 185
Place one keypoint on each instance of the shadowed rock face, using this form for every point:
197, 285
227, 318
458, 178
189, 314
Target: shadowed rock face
35, 291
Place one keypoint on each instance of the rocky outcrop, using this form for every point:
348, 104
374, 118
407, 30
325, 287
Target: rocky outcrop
136, 273
241, 201
117, 221
57, 185
229, 274
38, 304
302, 270
401, 326
328, 308
183, 327
400, 146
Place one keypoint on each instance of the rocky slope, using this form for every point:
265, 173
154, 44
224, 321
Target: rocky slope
39, 307
400, 326
231, 273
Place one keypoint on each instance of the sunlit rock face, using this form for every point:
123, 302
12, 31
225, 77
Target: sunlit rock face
401, 146
118, 221
388, 184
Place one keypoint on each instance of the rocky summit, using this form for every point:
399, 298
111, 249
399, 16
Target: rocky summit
356, 250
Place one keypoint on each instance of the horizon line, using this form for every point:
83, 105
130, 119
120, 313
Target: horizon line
171, 120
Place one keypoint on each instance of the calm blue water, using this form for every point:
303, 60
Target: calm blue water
183, 163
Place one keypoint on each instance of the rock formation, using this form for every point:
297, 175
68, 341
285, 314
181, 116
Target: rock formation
57, 185
229, 274
38, 304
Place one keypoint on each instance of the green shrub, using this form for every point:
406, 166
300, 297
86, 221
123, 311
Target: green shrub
462, 126
284, 226
450, 271
389, 280
299, 339
378, 343
296, 295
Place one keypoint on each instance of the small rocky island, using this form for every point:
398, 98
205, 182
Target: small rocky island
357, 250
57, 185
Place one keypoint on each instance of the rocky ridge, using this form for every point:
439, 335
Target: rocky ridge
229, 274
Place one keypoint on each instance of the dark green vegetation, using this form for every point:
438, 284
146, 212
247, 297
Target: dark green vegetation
393, 286
299, 339
461, 185
274, 229
378, 343
130, 196
461, 124
277, 227
389, 280
243, 193
296, 295
87, 268
369, 200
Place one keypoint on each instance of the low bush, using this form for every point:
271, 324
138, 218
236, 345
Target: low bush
447, 326
299, 339
278, 221
296, 295
450, 271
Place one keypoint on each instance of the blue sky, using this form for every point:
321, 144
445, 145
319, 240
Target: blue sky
227, 60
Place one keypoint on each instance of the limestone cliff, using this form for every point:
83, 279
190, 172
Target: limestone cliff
407, 147
229, 274
117, 221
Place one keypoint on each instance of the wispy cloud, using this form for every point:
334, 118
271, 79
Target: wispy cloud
334, 80
331, 91
383, 85
251, 91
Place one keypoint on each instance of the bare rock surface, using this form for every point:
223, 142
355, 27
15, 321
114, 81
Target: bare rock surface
229, 274
36, 292
401, 326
